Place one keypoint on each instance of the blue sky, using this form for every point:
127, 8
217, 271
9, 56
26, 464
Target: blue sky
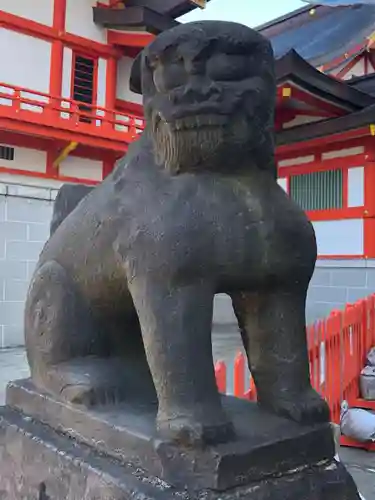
249, 12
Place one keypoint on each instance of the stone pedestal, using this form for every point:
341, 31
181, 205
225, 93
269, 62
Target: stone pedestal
50, 450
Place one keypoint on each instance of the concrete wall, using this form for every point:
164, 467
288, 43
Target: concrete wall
338, 282
25, 214
334, 284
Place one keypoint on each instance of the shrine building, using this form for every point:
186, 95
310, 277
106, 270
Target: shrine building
67, 114
325, 129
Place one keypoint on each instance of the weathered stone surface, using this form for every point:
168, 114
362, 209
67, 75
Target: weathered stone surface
120, 305
38, 463
266, 445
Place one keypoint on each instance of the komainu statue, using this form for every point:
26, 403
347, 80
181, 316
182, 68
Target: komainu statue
120, 305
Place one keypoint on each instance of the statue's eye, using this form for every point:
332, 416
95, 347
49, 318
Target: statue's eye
225, 67
170, 75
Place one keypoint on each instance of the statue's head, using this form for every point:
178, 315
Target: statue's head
209, 96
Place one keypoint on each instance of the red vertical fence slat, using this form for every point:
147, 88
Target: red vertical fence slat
312, 340
239, 376
221, 376
337, 347
252, 393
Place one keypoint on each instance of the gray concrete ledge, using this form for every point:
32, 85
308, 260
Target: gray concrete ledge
346, 263
33, 192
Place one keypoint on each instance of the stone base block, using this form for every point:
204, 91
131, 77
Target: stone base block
265, 445
38, 463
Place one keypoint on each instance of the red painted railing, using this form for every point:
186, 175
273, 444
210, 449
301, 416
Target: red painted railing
338, 347
52, 110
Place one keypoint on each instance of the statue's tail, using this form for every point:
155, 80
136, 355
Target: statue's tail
68, 197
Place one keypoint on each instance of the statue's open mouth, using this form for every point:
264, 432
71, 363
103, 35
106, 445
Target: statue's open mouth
186, 142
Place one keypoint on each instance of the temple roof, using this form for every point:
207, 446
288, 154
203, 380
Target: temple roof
327, 106
295, 71
328, 128
324, 36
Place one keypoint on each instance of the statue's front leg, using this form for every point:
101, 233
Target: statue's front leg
176, 328
272, 324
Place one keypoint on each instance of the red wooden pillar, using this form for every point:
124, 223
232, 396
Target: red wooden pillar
110, 102
111, 83
369, 206
57, 54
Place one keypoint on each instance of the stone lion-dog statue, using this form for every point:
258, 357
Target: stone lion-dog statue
121, 302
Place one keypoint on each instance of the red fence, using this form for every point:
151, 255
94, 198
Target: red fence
337, 352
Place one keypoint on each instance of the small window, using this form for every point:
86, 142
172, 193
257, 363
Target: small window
318, 190
6, 153
84, 83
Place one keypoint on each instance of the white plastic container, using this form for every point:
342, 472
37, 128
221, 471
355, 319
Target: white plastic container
367, 383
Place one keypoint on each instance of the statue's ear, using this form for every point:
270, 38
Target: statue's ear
135, 81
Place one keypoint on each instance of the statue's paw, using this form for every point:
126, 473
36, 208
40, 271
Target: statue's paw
306, 408
88, 381
94, 381
186, 431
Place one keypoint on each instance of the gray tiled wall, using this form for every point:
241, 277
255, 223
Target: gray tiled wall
336, 283
25, 214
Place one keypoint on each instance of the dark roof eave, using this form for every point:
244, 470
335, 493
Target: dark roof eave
293, 67
327, 127
170, 8
364, 83
133, 18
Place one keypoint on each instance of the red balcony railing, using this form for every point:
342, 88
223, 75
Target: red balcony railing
36, 108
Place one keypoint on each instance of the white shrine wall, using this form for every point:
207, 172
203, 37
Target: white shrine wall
34, 161
40, 11
67, 72
25, 61
79, 21
123, 91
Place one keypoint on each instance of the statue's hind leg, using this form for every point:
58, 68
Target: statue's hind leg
64, 350
58, 329
273, 329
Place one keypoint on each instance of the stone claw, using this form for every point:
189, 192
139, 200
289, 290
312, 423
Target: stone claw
89, 381
306, 408
189, 432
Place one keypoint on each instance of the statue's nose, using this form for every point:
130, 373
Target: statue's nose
201, 88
